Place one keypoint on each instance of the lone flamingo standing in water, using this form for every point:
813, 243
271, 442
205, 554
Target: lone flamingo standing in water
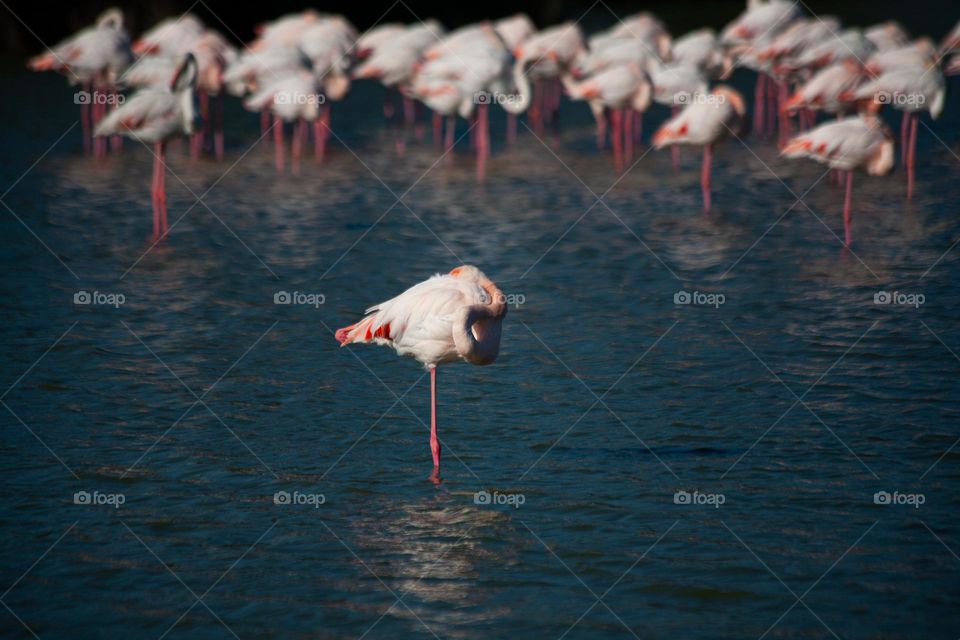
443, 319
705, 120
846, 145
154, 115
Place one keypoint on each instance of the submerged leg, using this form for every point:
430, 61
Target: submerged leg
278, 143
162, 189
705, 175
154, 193
847, 216
912, 154
434, 440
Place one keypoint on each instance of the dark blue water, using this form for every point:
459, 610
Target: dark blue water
781, 411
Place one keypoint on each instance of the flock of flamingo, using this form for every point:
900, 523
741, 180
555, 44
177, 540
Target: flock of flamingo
299, 64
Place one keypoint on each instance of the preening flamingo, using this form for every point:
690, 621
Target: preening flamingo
95, 58
704, 121
154, 115
847, 145
911, 89
620, 89
294, 98
442, 320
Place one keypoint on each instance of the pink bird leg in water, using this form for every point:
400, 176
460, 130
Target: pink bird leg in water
444, 319
154, 116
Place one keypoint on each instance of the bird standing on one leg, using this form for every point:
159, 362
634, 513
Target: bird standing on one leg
846, 145
706, 119
154, 115
444, 319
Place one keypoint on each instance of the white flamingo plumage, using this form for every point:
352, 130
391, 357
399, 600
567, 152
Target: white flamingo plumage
704, 121
847, 145
445, 319
153, 116
95, 57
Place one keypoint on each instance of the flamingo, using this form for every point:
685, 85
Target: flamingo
154, 115
617, 88
887, 35
375, 37
285, 31
545, 57
911, 89
95, 58
700, 49
824, 90
164, 47
293, 98
747, 36
394, 62
171, 36
853, 143
328, 44
675, 86
444, 319
704, 121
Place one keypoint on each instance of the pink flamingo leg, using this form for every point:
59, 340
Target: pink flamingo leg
705, 175
758, 97
483, 142
278, 143
785, 126
116, 142
511, 128
164, 223
162, 190
616, 137
437, 120
637, 127
154, 196
904, 137
321, 131
434, 440
448, 143
296, 143
772, 107
628, 133
218, 128
847, 215
912, 154
85, 123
